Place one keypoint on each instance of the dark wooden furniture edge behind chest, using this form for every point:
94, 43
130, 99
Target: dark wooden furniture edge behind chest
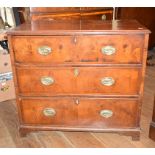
63, 13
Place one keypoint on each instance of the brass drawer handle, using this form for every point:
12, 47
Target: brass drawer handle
45, 80
108, 50
44, 50
106, 113
49, 112
107, 81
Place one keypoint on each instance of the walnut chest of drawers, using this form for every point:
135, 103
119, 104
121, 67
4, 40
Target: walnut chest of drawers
79, 75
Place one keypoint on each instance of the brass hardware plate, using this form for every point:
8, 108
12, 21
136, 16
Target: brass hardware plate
49, 112
103, 17
45, 80
76, 72
107, 81
75, 40
106, 113
108, 50
44, 50
77, 101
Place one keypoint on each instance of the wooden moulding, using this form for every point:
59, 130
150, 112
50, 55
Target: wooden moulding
134, 133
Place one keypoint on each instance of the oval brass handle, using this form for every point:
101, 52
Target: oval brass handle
108, 50
49, 112
106, 113
107, 81
44, 50
45, 80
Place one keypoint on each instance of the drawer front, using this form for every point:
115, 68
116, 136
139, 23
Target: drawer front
78, 81
43, 49
86, 112
110, 49
79, 49
53, 111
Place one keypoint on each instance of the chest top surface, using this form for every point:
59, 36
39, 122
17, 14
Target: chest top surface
72, 27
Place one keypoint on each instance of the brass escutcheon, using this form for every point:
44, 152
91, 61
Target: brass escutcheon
76, 72
77, 101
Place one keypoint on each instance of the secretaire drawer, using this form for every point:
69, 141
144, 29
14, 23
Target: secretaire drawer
78, 81
81, 112
84, 49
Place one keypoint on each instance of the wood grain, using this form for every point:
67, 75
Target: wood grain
81, 115
66, 50
83, 84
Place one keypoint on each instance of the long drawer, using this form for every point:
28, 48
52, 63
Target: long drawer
81, 112
53, 81
94, 49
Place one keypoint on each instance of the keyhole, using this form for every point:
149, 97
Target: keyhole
75, 40
76, 72
77, 101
